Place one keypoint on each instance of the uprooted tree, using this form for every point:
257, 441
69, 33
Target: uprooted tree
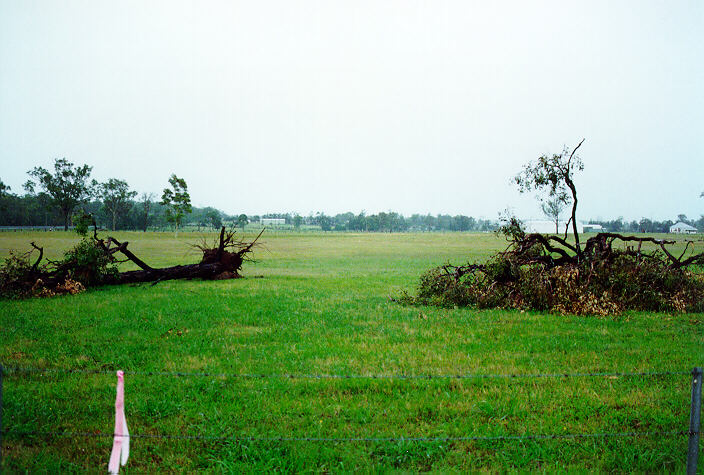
94, 261
607, 274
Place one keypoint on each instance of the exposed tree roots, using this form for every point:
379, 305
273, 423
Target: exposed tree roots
94, 262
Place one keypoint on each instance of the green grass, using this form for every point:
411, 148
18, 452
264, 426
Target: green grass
318, 303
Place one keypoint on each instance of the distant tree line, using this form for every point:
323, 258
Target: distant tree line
60, 197
138, 215
646, 225
57, 198
114, 206
385, 222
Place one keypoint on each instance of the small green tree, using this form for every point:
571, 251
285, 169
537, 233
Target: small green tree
552, 208
325, 222
213, 218
554, 175
146, 201
116, 197
82, 222
177, 201
242, 221
68, 186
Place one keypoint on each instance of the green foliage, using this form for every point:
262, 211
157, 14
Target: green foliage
242, 220
81, 222
511, 227
214, 218
116, 196
88, 264
68, 186
554, 177
20, 279
13, 274
4, 195
552, 174
325, 222
177, 200
145, 206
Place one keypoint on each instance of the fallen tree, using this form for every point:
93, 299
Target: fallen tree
607, 274
541, 272
94, 260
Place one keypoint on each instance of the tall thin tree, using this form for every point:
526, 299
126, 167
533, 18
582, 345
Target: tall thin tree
116, 196
177, 201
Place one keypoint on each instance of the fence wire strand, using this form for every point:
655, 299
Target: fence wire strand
18, 370
355, 439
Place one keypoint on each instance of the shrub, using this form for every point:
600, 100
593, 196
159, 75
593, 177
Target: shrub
81, 222
83, 266
13, 273
88, 264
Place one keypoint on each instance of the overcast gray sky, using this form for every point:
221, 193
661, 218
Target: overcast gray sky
361, 105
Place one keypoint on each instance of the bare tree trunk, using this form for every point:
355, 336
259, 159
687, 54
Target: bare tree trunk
217, 263
206, 271
573, 189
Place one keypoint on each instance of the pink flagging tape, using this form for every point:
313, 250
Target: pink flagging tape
121, 440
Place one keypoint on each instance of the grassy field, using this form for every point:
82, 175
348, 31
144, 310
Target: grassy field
318, 304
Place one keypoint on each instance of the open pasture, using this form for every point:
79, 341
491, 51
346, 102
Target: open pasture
317, 304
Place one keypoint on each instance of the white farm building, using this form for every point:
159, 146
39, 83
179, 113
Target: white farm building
548, 227
682, 228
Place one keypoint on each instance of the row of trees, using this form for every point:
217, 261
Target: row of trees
646, 225
117, 208
384, 222
139, 214
395, 222
68, 192
54, 198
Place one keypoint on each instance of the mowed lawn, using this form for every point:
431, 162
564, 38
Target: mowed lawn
318, 304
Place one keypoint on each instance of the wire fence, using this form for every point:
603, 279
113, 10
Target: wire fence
232, 375
355, 439
693, 433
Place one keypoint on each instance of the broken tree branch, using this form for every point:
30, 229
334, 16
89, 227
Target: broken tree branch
39, 259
